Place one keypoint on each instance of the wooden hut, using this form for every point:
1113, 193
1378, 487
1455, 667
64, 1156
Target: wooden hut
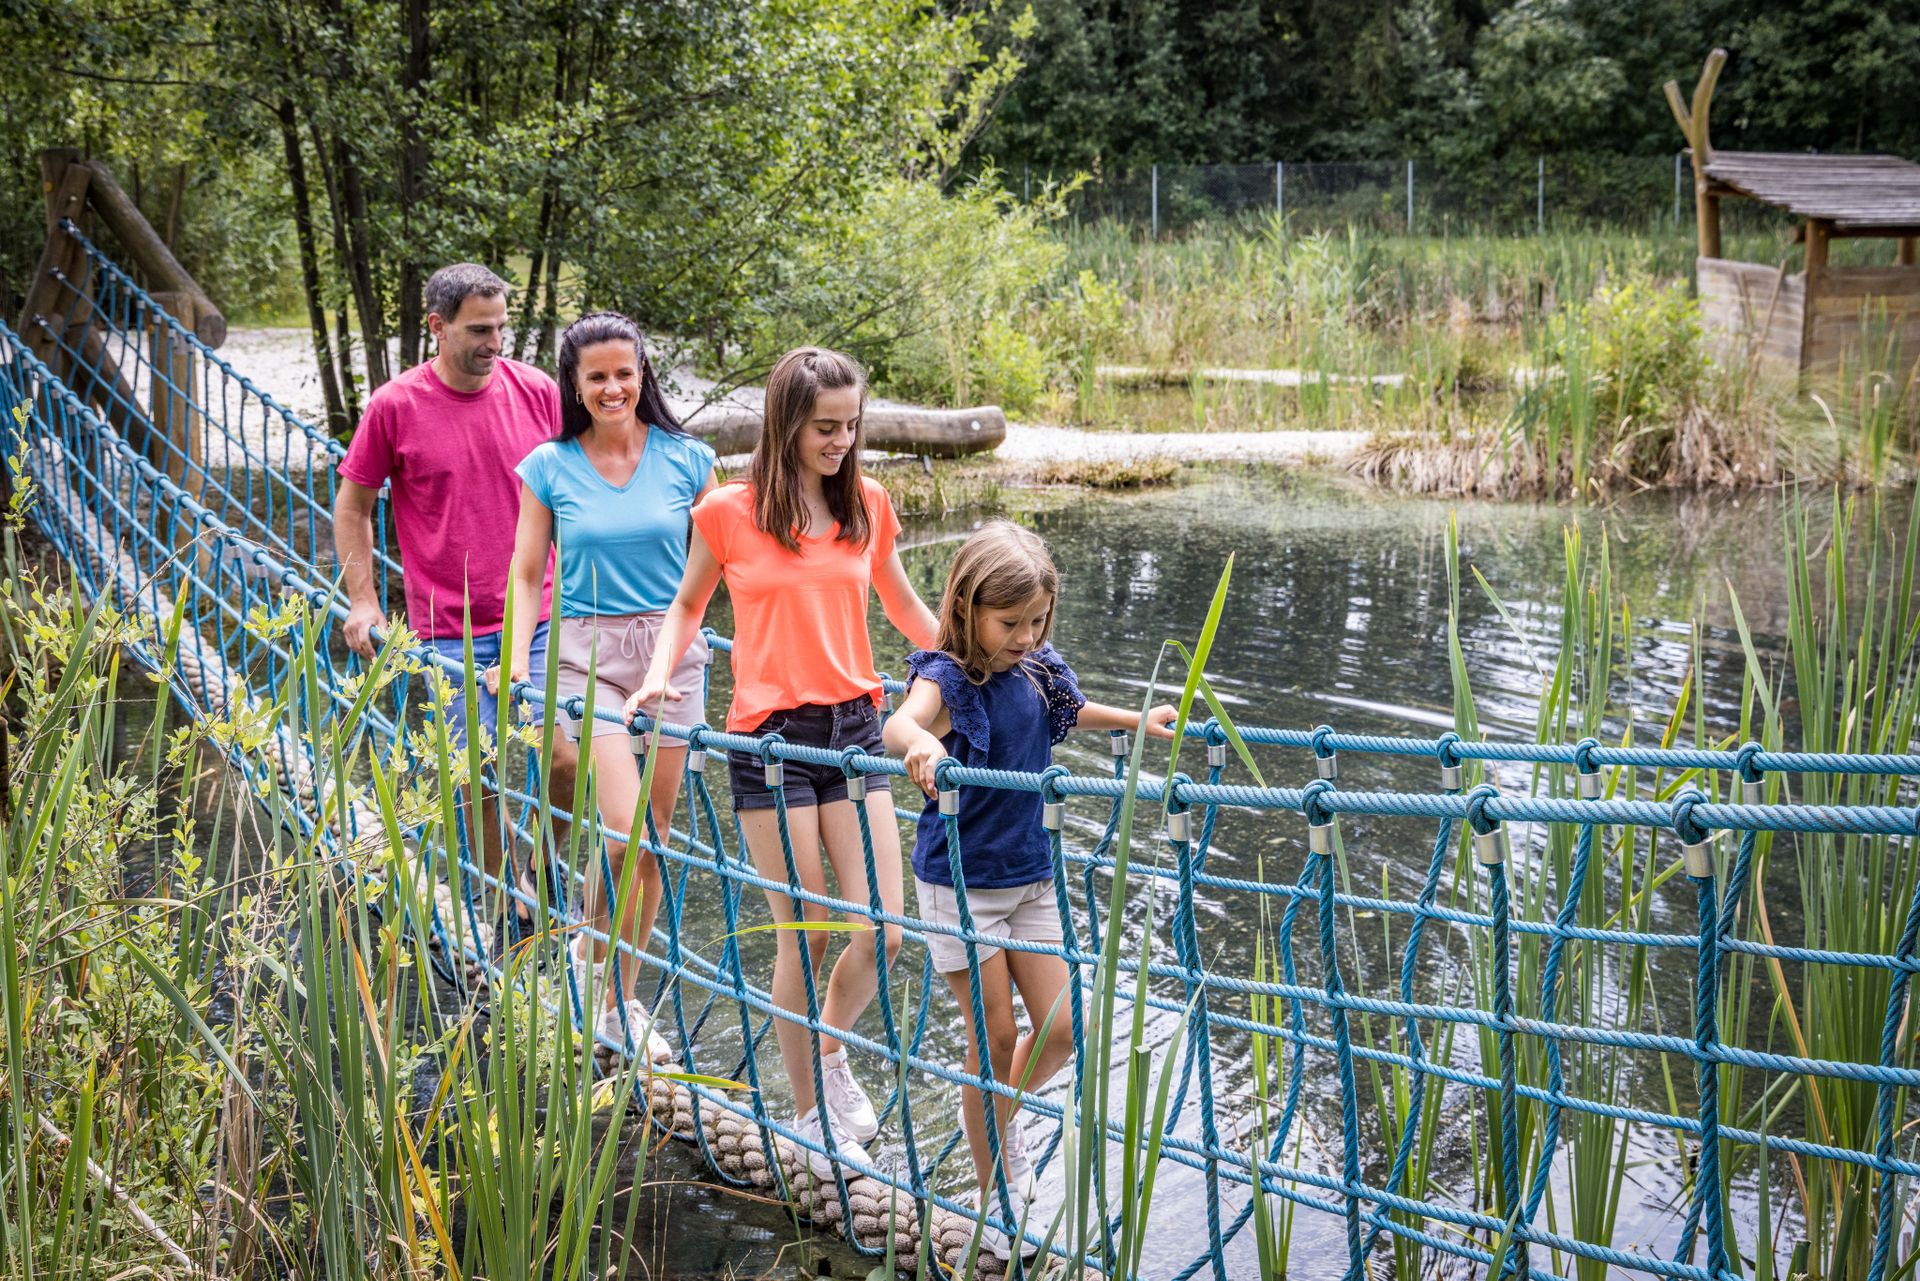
1822, 318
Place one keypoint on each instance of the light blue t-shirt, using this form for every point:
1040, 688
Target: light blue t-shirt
622, 548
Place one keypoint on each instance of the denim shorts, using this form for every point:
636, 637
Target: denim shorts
834, 726
486, 653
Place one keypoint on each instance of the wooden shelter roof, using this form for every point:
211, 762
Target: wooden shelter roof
1854, 193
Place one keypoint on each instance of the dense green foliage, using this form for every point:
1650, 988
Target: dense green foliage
692, 164
1119, 83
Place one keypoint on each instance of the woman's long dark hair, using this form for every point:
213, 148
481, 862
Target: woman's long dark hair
591, 330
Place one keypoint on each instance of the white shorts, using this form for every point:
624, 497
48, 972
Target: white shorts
1026, 913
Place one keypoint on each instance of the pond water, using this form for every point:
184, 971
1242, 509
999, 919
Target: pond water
1338, 614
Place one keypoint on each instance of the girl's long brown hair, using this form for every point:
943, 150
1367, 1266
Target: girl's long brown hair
1000, 566
774, 470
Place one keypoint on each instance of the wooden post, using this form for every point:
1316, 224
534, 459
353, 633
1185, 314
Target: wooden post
1905, 255
1693, 123
1819, 233
66, 188
175, 445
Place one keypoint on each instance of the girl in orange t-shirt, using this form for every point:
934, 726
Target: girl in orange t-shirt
800, 540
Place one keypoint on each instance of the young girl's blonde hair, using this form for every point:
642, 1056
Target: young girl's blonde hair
999, 566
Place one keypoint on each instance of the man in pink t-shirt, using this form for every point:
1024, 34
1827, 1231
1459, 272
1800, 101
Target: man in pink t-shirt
445, 437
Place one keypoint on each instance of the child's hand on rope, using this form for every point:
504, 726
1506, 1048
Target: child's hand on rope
921, 759
1161, 721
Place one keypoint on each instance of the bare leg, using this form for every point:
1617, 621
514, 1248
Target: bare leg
617, 775
1041, 979
996, 999
856, 976
761, 828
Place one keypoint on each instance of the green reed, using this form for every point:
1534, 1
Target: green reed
1853, 645
354, 1119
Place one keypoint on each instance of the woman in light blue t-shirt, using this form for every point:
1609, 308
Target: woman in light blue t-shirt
612, 493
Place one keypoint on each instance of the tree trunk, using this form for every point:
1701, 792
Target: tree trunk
366, 298
338, 424
550, 315
413, 166
173, 206
337, 220
523, 332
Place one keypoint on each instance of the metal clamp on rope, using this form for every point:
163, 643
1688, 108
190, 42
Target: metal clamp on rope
1216, 755
1586, 770
857, 788
1053, 807
1325, 759
1490, 848
949, 801
1696, 842
697, 760
1122, 743
1322, 830
1453, 772
1753, 788
775, 772
1179, 816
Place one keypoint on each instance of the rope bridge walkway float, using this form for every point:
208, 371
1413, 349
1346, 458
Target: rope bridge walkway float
176, 487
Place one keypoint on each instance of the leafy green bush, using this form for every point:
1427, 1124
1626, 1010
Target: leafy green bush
1644, 347
922, 285
1008, 366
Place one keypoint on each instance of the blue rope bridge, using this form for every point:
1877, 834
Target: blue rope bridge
184, 492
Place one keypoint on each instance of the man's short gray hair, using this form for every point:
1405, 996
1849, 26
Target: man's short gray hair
452, 285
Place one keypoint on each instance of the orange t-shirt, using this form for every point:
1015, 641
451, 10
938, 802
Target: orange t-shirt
800, 620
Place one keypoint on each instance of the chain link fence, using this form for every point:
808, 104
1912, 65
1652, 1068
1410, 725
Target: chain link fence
1418, 197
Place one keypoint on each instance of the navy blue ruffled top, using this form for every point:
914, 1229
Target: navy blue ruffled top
1010, 722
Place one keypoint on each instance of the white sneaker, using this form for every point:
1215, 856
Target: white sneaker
638, 1027
996, 1241
808, 1128
636, 1030
1021, 1175
850, 1106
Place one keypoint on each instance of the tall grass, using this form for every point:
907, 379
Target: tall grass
261, 1021
1571, 364
1854, 652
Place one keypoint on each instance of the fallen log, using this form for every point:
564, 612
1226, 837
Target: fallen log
940, 433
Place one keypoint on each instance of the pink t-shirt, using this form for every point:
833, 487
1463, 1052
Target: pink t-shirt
456, 499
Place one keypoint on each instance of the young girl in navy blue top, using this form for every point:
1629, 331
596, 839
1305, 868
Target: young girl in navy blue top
994, 695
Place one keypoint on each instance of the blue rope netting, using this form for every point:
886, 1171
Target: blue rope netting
219, 514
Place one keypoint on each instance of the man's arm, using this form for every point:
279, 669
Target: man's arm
353, 545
